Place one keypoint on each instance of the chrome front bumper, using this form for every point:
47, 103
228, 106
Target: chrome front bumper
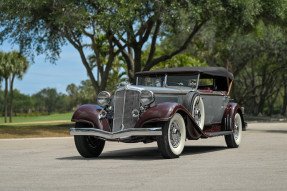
123, 134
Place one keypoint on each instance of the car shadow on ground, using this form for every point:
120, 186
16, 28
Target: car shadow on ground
146, 153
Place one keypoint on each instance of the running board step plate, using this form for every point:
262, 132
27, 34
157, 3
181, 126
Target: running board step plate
220, 133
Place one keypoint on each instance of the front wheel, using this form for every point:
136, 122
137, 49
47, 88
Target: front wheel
89, 146
234, 140
171, 143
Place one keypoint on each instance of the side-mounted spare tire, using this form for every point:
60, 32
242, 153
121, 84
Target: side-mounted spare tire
194, 104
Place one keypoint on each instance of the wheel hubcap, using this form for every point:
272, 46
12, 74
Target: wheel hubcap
175, 134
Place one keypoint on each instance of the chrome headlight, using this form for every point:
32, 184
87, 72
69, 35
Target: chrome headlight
104, 98
146, 97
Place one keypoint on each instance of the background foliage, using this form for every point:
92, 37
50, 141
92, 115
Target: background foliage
115, 39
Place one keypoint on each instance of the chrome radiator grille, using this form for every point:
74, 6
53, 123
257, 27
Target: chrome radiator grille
125, 102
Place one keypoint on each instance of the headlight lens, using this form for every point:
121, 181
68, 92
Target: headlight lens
103, 98
146, 97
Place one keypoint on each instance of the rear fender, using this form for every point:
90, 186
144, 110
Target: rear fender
165, 111
90, 114
229, 114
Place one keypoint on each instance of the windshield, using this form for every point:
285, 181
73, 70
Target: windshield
172, 80
152, 81
185, 80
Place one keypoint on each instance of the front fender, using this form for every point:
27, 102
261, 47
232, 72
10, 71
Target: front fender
159, 112
90, 114
165, 111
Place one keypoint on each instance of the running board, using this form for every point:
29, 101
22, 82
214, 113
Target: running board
220, 133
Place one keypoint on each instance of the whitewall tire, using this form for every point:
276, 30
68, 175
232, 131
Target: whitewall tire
198, 111
234, 140
171, 143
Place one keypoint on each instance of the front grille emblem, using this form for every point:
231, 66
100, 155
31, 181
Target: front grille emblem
135, 113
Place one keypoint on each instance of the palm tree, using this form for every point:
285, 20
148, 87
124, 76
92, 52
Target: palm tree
19, 65
1, 72
5, 68
12, 64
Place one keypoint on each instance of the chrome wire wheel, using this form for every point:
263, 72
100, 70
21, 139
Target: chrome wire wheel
198, 111
175, 134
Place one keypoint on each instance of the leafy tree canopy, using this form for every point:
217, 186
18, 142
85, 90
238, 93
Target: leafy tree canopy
126, 25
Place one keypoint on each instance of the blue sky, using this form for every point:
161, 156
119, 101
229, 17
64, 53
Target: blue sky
42, 74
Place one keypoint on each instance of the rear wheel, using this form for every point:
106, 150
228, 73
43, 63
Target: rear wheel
234, 140
89, 146
171, 143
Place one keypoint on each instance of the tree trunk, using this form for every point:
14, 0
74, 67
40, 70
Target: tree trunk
138, 56
255, 105
261, 106
183, 47
11, 99
105, 77
0, 103
79, 48
6, 100
128, 56
270, 107
285, 96
272, 101
89, 71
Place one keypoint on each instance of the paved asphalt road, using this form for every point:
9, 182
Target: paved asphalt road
260, 163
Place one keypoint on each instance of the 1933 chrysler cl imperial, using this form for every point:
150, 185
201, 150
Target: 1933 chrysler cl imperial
166, 105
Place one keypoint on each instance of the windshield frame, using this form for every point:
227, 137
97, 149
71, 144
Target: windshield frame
165, 81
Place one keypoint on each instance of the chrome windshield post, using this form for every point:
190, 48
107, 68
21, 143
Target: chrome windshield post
197, 84
165, 81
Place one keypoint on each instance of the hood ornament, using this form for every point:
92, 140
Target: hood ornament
125, 83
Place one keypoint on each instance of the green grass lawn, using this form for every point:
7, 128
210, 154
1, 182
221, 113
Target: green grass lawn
35, 130
52, 117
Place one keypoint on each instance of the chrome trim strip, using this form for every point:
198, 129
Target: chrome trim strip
124, 105
154, 131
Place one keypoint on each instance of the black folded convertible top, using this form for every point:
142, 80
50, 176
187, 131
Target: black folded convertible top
212, 71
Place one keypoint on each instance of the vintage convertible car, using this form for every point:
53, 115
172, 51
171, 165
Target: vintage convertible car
168, 106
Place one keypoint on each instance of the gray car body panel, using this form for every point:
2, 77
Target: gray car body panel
214, 102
